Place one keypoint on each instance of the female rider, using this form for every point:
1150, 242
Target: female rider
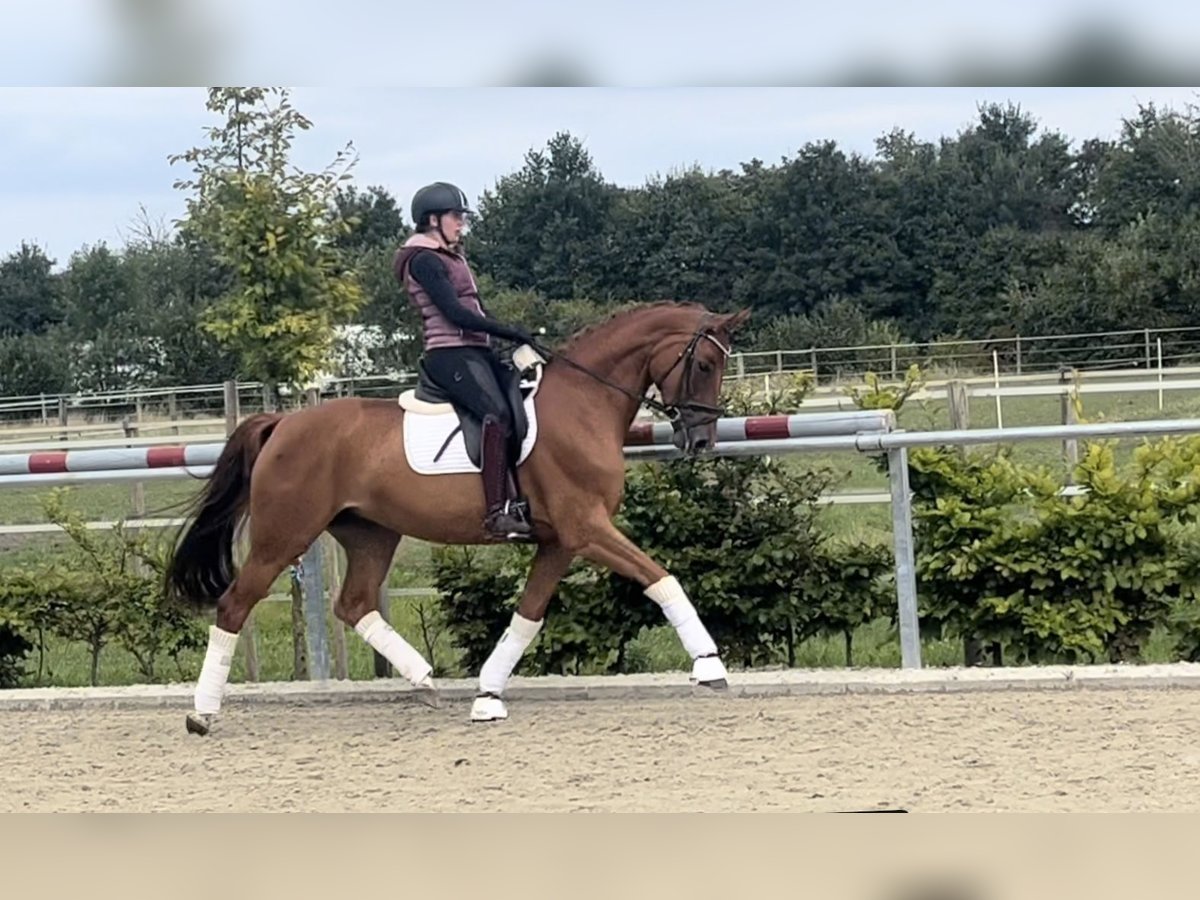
457, 341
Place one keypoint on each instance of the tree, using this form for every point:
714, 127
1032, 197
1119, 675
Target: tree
374, 220
276, 228
542, 227
1153, 168
34, 364
107, 330
677, 238
29, 301
819, 230
173, 283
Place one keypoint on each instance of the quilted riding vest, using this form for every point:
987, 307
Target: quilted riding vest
438, 330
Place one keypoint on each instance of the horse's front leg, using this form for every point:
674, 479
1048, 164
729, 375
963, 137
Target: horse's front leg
550, 564
606, 545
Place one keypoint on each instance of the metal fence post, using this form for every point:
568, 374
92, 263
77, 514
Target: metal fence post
312, 580
902, 544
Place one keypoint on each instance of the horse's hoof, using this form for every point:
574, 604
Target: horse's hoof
488, 709
709, 672
199, 723
427, 693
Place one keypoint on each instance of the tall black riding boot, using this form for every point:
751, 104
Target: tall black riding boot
503, 519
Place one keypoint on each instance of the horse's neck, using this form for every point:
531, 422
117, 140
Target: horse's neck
621, 357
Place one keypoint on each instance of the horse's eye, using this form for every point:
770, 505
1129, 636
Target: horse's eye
705, 367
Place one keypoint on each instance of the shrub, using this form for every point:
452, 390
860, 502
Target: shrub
1003, 556
107, 587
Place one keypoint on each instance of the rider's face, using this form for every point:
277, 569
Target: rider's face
453, 226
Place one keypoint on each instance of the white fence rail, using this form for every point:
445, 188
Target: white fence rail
1138, 350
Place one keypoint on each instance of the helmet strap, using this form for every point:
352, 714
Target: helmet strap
445, 240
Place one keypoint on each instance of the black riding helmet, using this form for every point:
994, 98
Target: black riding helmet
436, 198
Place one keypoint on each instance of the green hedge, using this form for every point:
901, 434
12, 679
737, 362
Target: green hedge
1004, 558
106, 588
744, 538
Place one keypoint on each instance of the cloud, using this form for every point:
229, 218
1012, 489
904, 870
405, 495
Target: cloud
618, 42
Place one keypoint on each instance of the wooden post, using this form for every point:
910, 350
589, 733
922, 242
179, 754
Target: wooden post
996, 377
232, 409
1066, 377
960, 420
340, 663
1160, 375
62, 416
960, 407
173, 411
137, 493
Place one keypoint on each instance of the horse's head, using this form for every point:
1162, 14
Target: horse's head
689, 372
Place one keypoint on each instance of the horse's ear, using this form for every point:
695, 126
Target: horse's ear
735, 321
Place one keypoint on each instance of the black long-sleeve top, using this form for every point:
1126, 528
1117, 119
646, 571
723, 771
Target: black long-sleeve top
430, 272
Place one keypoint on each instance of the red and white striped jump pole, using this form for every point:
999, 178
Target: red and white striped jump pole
197, 460
51, 462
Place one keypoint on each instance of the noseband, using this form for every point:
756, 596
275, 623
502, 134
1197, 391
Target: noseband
687, 356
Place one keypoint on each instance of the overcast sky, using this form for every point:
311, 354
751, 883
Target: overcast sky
77, 163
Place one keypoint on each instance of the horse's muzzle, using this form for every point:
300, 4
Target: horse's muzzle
695, 439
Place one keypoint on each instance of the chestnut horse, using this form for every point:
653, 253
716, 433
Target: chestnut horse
341, 467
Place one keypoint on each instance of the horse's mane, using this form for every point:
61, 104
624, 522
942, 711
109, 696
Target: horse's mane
625, 312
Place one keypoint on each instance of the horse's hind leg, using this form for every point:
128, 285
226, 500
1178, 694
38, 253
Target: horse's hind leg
279, 535
251, 585
369, 551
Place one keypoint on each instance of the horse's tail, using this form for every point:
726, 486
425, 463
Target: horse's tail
201, 567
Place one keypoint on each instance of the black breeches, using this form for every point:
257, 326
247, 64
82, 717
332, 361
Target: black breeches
472, 377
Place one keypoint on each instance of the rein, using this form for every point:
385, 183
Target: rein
674, 410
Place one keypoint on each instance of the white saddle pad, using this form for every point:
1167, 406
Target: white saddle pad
425, 435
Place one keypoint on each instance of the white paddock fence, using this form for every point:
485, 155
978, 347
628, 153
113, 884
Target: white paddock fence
870, 432
133, 418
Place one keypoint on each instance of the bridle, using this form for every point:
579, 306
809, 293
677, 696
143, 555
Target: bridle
673, 411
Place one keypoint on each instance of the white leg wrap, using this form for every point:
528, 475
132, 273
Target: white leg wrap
678, 609
403, 656
210, 688
507, 653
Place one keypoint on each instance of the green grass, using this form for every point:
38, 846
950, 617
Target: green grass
654, 650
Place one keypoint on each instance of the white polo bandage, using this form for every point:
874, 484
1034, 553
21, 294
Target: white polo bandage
214, 673
507, 653
404, 657
678, 609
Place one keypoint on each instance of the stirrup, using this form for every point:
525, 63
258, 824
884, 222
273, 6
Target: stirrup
510, 521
